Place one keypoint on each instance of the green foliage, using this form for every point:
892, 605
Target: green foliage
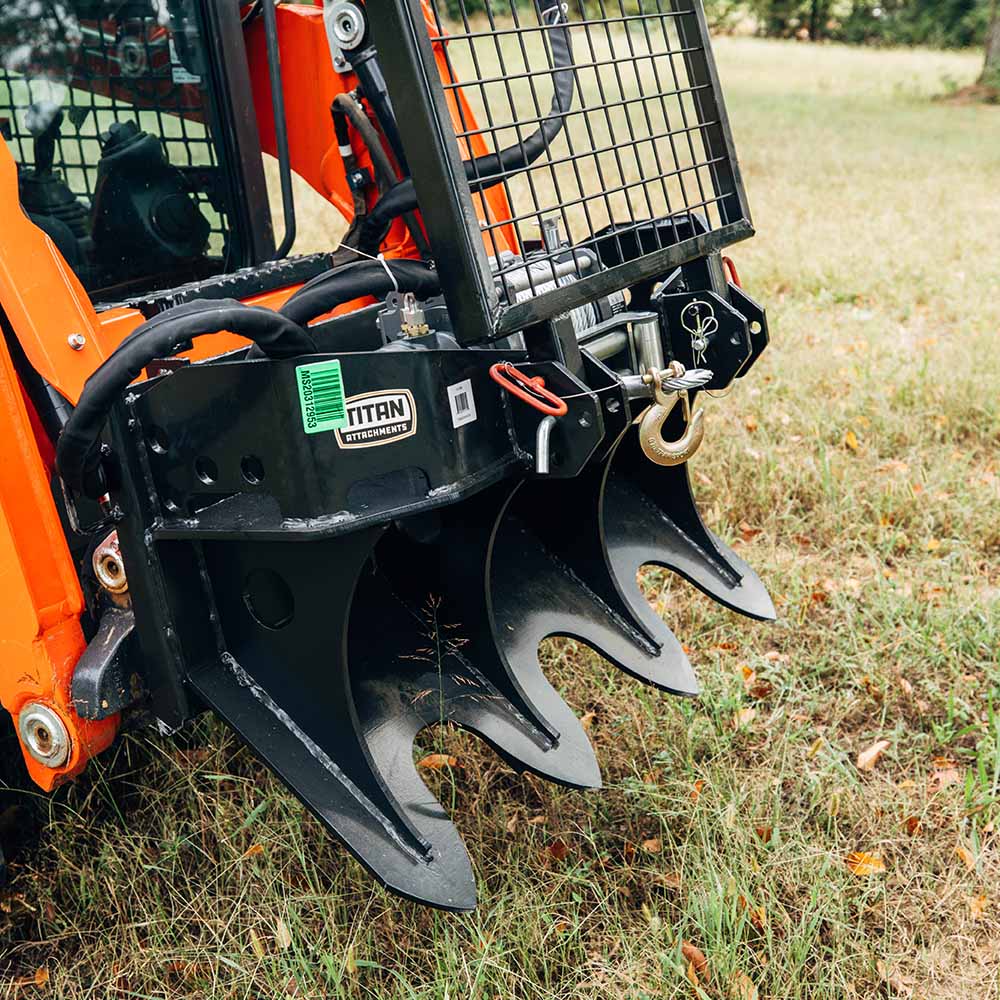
937, 23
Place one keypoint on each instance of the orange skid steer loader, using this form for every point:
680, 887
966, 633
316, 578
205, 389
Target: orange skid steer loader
235, 479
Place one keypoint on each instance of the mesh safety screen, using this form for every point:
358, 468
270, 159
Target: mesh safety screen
612, 104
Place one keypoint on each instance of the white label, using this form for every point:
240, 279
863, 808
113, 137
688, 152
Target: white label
462, 403
375, 418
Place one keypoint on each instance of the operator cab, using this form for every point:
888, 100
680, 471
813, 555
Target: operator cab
126, 156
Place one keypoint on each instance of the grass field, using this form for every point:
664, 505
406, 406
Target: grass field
859, 471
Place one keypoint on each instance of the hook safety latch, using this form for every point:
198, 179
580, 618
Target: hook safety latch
669, 386
529, 390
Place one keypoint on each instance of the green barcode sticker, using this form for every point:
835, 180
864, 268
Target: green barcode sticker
321, 396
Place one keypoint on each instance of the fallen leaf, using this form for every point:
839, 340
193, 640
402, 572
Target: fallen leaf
851, 440
282, 935
587, 720
755, 914
350, 962
815, 748
558, 849
628, 851
697, 962
724, 647
932, 544
562, 926
912, 825
744, 717
742, 987
437, 761
867, 759
761, 690
897, 984
696, 789
764, 833
748, 532
750, 423
537, 821
669, 880
943, 777
253, 851
41, 976
512, 824
977, 906
968, 858
652, 846
862, 863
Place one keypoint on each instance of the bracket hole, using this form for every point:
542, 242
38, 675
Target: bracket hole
755, 328
158, 440
206, 470
253, 469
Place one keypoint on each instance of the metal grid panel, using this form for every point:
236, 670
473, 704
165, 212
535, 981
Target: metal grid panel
122, 69
643, 132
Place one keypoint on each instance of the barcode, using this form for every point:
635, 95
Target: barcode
321, 396
462, 403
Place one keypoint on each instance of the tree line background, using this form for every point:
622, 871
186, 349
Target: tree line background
938, 23
934, 23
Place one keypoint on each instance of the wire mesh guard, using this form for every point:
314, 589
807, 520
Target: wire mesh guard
112, 64
614, 111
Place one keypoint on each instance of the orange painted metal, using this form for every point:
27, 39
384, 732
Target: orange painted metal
40, 596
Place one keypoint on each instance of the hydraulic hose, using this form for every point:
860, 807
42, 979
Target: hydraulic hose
78, 456
367, 277
486, 171
385, 173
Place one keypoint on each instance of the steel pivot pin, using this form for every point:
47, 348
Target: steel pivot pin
44, 734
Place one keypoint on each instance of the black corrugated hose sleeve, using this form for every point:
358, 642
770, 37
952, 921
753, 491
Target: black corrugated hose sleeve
486, 171
78, 448
368, 277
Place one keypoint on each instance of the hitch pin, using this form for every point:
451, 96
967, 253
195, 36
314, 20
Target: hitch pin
542, 450
670, 385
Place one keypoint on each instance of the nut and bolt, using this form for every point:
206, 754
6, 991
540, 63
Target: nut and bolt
108, 566
77, 341
44, 735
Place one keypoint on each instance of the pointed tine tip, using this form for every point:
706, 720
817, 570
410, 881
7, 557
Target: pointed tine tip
750, 598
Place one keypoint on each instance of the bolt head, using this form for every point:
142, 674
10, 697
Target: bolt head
77, 341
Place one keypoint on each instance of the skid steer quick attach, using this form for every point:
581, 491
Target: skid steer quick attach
232, 479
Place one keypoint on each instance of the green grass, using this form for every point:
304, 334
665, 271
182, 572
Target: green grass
879, 224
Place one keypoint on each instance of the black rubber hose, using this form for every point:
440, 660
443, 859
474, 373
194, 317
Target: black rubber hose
384, 170
368, 277
487, 171
78, 448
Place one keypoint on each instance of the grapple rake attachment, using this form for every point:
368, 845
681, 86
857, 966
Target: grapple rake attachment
364, 517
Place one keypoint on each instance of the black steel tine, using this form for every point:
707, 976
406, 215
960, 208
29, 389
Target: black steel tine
286, 686
651, 511
410, 670
500, 645
563, 525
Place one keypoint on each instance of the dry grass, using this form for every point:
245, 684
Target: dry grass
879, 224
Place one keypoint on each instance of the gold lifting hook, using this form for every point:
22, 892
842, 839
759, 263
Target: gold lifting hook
657, 450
